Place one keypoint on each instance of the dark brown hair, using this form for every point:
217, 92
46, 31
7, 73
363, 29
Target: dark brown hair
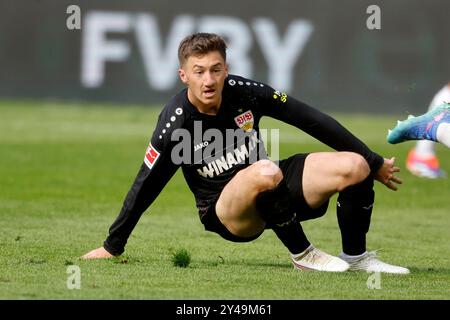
199, 44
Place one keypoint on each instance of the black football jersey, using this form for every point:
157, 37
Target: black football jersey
211, 149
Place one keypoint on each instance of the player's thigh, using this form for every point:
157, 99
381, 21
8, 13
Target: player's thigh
236, 207
326, 173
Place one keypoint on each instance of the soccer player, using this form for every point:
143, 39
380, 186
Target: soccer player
239, 192
431, 126
422, 160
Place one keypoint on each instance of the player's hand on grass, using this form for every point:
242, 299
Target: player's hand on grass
386, 174
99, 253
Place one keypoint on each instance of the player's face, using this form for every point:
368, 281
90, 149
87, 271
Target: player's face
205, 76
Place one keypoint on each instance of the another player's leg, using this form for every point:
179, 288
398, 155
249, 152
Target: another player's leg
348, 174
443, 134
423, 127
422, 160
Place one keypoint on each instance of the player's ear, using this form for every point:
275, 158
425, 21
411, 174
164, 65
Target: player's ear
183, 76
226, 69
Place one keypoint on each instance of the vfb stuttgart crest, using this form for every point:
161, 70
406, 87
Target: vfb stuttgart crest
245, 120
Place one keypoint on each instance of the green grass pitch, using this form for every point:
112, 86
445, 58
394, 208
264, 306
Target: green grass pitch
65, 170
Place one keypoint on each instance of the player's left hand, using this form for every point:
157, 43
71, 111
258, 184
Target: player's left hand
386, 174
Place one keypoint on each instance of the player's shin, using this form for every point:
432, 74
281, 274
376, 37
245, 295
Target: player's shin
354, 210
275, 208
292, 236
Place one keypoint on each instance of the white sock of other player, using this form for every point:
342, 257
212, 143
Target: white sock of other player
443, 134
425, 148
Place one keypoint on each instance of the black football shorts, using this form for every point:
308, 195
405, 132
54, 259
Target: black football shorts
292, 169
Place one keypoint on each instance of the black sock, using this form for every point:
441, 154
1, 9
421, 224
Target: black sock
292, 236
354, 210
275, 206
276, 209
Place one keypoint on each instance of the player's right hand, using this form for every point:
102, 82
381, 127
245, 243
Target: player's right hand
99, 253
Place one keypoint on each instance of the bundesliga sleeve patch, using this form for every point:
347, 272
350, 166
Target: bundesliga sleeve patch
151, 155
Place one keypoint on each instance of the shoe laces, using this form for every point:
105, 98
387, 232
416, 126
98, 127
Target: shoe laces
372, 257
316, 256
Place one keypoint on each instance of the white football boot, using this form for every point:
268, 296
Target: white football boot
315, 259
369, 262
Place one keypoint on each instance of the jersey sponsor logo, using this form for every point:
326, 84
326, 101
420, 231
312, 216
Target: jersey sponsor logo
226, 162
151, 155
245, 120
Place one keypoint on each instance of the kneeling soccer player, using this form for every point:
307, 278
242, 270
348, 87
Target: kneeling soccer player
239, 192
